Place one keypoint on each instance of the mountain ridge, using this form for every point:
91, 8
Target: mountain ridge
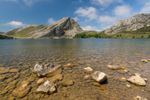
65, 27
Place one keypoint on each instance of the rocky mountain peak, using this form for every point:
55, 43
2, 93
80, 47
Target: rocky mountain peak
65, 27
131, 24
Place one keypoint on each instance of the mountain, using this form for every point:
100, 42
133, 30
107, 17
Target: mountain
137, 23
65, 28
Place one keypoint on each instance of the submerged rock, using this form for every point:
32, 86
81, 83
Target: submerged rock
22, 90
115, 67
145, 60
69, 65
137, 79
88, 69
40, 81
99, 76
45, 70
47, 87
67, 82
140, 98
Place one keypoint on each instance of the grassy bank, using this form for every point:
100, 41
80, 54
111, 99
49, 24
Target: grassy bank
119, 35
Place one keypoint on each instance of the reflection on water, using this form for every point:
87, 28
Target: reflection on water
59, 50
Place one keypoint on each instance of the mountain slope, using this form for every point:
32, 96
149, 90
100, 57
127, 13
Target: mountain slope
137, 23
66, 27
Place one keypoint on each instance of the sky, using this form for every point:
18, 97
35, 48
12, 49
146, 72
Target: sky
90, 14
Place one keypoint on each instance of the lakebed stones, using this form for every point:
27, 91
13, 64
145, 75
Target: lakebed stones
137, 79
22, 89
47, 87
99, 77
42, 70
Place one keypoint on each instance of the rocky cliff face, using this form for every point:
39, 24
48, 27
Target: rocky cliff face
66, 28
133, 23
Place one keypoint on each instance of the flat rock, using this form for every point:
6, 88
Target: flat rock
88, 69
22, 89
115, 67
47, 87
99, 76
137, 79
40, 81
42, 70
67, 82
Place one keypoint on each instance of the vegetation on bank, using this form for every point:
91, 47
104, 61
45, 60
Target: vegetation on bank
5, 37
119, 35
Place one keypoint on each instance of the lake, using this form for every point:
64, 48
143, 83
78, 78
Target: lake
96, 53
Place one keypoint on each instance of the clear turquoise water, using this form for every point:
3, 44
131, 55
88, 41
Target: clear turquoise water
97, 53
59, 50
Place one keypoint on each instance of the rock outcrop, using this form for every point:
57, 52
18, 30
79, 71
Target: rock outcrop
134, 23
64, 28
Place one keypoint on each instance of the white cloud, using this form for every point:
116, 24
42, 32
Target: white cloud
90, 28
106, 2
26, 2
51, 21
107, 19
123, 10
88, 12
146, 8
15, 23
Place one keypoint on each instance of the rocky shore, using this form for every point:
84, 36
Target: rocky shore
45, 81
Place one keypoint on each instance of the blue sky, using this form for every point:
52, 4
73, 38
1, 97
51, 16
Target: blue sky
90, 14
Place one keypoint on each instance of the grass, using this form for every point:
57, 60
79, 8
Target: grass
24, 33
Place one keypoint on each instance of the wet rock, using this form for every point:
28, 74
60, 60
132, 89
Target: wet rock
137, 79
88, 69
3, 70
40, 81
57, 77
129, 86
45, 70
13, 70
69, 65
87, 77
123, 79
115, 67
67, 82
99, 76
145, 60
47, 87
22, 89
140, 98
38, 68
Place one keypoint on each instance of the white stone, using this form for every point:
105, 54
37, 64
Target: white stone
47, 87
88, 69
38, 68
114, 67
99, 76
137, 79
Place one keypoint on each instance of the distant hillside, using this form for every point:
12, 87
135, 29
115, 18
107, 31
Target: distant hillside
138, 23
66, 27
